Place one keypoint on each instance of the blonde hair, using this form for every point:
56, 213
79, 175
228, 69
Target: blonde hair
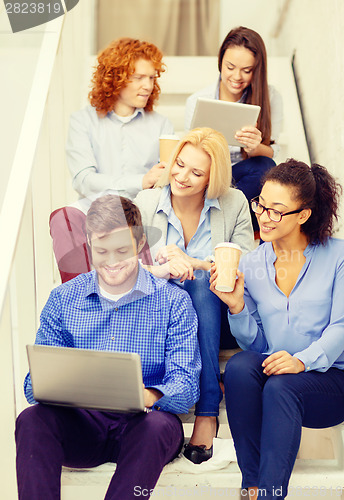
215, 145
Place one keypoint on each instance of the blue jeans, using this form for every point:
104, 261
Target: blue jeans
212, 326
266, 414
247, 175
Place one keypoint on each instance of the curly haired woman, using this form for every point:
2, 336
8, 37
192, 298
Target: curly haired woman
286, 312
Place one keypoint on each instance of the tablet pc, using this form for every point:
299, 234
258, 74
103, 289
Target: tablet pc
226, 117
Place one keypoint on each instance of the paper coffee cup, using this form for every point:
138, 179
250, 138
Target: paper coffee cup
167, 145
227, 257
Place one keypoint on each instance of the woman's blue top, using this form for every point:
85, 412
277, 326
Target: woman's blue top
308, 324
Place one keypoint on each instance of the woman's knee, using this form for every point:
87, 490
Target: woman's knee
260, 164
277, 384
242, 366
281, 391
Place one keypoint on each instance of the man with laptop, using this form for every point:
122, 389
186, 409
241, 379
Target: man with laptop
116, 307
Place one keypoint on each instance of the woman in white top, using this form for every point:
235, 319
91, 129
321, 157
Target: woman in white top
242, 65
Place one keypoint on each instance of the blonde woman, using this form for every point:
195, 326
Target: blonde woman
195, 208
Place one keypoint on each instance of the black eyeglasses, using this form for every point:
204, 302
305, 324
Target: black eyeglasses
274, 215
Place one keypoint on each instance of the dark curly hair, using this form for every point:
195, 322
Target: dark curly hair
315, 188
116, 64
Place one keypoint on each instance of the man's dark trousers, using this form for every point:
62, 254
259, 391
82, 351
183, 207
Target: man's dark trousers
48, 437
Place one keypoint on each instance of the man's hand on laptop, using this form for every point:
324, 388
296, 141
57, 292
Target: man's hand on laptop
151, 396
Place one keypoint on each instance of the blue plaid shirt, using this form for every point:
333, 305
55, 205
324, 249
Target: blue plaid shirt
155, 319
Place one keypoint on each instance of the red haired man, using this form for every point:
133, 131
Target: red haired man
113, 143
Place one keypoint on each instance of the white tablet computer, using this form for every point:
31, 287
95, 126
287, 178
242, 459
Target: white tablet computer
226, 117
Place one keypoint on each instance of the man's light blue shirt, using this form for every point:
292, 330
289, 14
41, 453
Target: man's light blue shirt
155, 319
199, 246
308, 324
108, 153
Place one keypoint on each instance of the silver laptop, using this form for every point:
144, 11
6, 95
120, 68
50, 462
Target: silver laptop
225, 117
84, 378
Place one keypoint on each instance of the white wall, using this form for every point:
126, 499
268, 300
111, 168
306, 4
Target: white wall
314, 29
40, 178
262, 16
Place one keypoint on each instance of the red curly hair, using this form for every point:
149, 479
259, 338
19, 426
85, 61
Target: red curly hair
116, 64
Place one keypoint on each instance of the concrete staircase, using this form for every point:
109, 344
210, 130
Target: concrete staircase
311, 477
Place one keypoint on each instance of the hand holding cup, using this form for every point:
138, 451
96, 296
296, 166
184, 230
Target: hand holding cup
235, 299
227, 257
223, 276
